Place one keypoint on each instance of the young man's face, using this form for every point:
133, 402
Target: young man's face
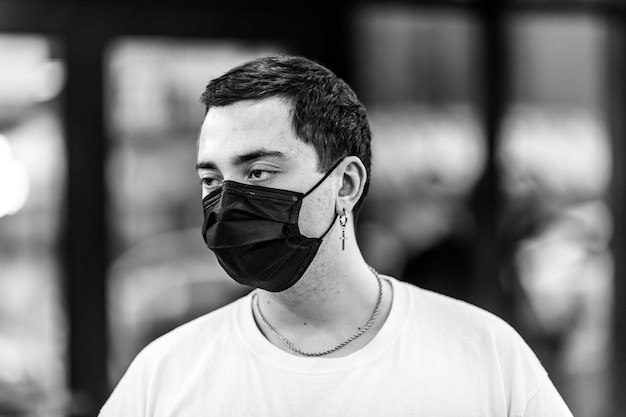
253, 142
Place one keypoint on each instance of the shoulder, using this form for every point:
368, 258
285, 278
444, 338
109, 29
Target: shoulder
442, 309
471, 340
473, 333
165, 364
192, 339
460, 322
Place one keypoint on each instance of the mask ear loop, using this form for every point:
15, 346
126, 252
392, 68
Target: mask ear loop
329, 227
330, 171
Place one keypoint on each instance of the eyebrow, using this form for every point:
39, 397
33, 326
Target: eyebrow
242, 159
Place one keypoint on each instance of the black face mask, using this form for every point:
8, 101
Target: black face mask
254, 233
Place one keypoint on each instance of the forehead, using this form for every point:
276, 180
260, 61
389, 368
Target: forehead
247, 126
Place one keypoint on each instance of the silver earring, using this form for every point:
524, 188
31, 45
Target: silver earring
343, 220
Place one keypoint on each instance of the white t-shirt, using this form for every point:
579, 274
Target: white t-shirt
434, 356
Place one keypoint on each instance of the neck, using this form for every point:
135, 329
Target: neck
327, 289
331, 302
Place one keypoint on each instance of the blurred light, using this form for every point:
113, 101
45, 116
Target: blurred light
48, 80
561, 153
426, 152
14, 182
27, 75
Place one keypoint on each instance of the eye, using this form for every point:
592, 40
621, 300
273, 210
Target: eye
260, 174
210, 182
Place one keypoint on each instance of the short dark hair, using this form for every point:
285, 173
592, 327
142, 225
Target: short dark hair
326, 112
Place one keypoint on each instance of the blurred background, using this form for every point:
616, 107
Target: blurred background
498, 174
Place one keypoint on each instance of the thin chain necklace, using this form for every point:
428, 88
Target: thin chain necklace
359, 333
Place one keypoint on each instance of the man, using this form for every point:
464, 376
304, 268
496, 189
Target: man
284, 161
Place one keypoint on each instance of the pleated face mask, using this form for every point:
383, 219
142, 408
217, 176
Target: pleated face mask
254, 233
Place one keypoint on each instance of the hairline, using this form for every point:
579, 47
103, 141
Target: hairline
291, 108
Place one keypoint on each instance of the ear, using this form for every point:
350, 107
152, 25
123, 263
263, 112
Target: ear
354, 176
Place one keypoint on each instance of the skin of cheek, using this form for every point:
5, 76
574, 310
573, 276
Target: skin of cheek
317, 211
